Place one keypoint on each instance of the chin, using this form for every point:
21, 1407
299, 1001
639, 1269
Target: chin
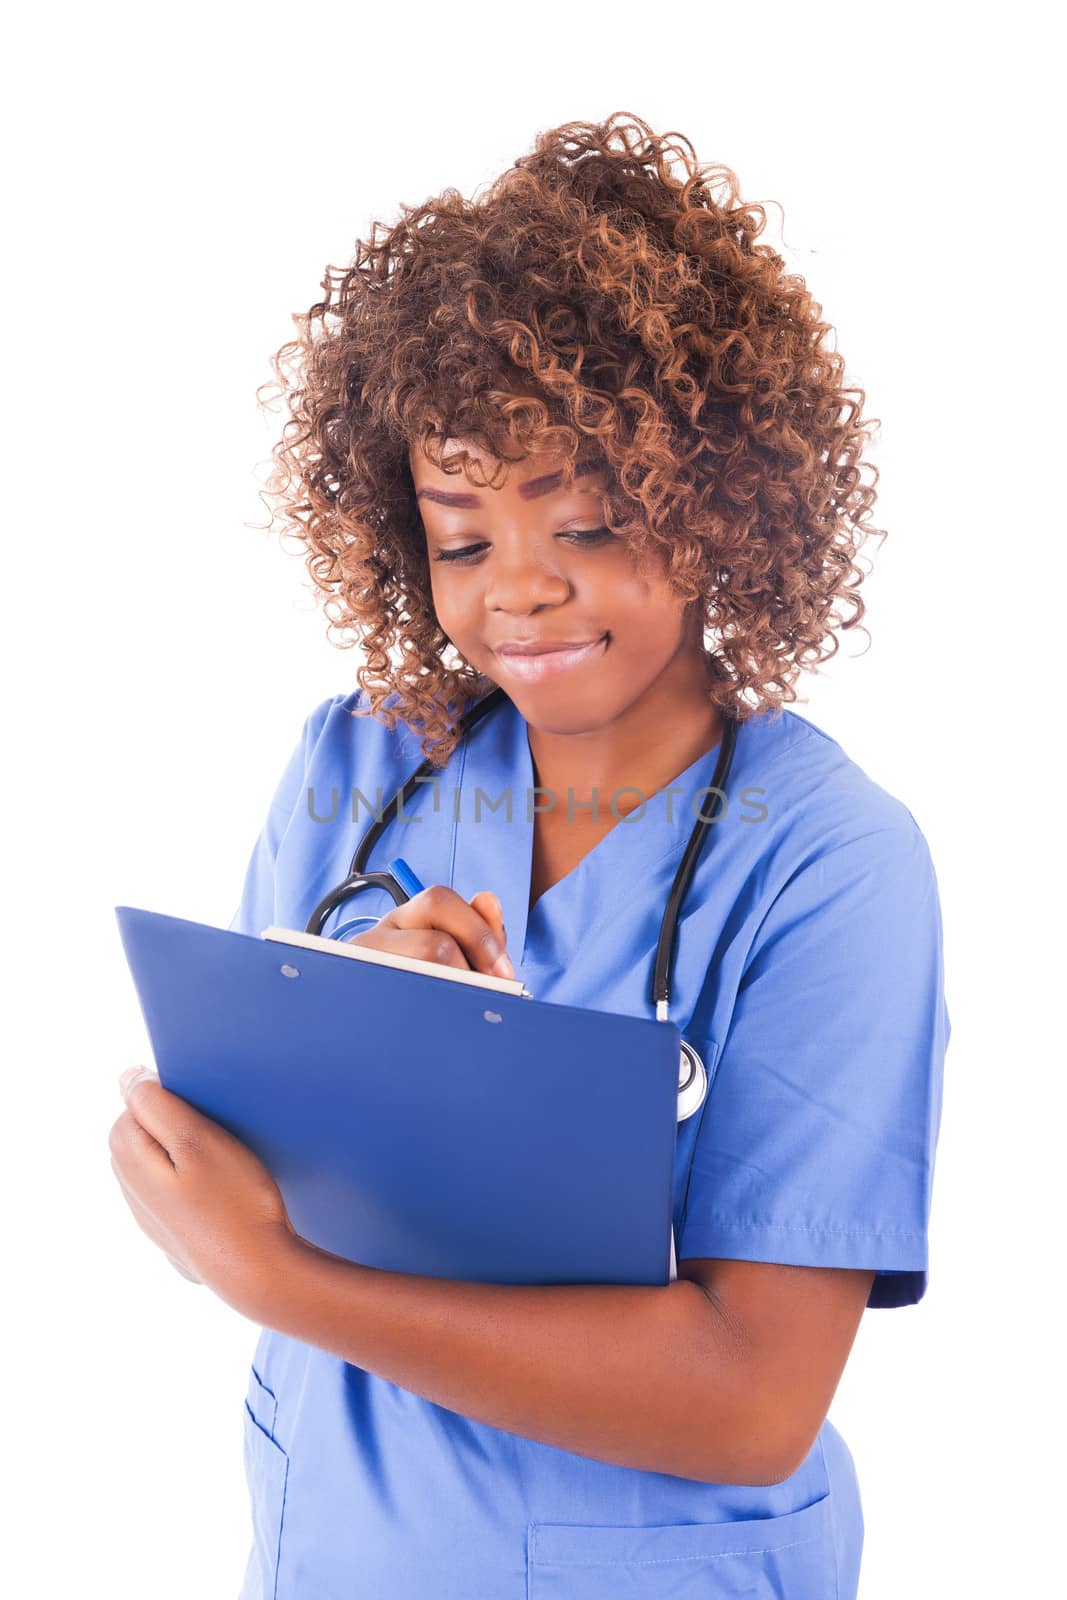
555, 709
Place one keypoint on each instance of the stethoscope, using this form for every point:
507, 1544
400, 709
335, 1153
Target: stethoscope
692, 1073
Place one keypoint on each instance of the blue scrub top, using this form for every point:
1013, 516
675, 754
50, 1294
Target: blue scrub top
809, 975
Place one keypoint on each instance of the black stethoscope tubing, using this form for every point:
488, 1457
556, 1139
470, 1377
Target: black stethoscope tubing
693, 1076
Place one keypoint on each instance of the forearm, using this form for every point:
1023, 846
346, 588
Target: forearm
645, 1377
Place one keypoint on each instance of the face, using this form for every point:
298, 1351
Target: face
536, 595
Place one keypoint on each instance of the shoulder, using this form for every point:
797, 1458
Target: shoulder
341, 736
827, 818
841, 894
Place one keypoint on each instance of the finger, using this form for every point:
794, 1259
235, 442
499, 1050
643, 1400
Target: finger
176, 1264
442, 908
134, 1148
143, 1216
488, 905
149, 1226
424, 944
177, 1127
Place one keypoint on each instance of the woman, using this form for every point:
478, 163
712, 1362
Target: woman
583, 433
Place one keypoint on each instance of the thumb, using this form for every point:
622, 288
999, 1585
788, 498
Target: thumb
488, 905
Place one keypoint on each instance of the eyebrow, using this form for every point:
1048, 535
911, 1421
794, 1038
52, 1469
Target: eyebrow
531, 490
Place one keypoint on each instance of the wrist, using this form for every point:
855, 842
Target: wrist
274, 1280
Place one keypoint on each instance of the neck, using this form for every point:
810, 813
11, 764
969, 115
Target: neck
646, 747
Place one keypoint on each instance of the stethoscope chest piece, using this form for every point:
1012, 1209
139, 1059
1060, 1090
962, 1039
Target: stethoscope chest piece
692, 1082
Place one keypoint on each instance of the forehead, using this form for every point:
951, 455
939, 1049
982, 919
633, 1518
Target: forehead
530, 476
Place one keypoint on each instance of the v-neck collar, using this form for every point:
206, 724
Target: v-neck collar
493, 831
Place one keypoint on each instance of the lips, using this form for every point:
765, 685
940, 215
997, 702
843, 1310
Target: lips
532, 661
541, 647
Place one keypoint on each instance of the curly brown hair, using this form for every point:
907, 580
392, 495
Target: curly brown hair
592, 299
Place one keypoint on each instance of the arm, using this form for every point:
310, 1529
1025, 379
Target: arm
724, 1375
799, 1325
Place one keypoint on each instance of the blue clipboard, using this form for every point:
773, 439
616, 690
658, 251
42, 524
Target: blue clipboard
418, 1124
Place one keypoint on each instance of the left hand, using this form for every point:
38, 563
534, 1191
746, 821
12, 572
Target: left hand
199, 1193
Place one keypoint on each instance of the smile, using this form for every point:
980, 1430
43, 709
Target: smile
550, 664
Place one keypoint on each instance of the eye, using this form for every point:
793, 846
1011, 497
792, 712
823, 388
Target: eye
583, 536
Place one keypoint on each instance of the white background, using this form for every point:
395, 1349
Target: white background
181, 177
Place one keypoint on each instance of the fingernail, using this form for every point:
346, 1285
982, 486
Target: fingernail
128, 1078
503, 967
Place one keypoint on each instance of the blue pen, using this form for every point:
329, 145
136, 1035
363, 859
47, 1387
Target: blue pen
404, 876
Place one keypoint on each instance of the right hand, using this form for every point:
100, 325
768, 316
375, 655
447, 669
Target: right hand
439, 925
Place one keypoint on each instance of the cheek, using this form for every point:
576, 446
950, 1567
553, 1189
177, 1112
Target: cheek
644, 600
639, 583
440, 592
455, 605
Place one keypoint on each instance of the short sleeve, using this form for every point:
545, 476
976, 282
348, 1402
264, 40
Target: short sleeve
256, 910
817, 1139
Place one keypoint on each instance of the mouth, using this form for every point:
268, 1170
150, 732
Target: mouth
545, 664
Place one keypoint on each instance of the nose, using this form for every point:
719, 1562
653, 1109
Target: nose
522, 582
